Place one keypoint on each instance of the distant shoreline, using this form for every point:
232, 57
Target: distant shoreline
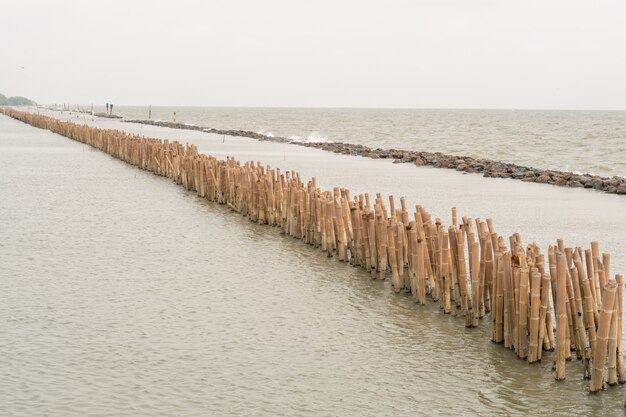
488, 167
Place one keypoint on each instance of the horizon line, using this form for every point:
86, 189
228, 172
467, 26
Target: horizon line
354, 107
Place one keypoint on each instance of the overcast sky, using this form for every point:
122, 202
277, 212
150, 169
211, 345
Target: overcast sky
422, 53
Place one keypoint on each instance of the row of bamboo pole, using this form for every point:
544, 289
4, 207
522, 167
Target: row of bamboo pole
467, 268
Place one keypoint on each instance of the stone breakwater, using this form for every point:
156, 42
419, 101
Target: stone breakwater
486, 167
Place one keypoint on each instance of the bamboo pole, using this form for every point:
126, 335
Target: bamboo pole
535, 316
372, 246
421, 272
395, 278
573, 316
590, 325
600, 352
562, 344
475, 272
612, 378
546, 318
465, 301
583, 340
621, 377
510, 309
447, 284
498, 308
522, 323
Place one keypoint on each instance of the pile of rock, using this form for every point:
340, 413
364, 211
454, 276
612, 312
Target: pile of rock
487, 167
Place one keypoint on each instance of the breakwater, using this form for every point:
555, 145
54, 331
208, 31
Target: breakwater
466, 268
486, 167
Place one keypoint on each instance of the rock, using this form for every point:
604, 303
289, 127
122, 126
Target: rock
372, 155
419, 162
560, 181
407, 157
621, 189
598, 184
461, 167
574, 184
543, 178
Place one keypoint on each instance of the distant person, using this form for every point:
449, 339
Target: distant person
107, 108
111, 107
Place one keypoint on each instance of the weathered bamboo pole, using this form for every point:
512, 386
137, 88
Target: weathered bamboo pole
447, 284
595, 286
600, 352
465, 295
621, 377
545, 318
456, 286
510, 309
573, 315
612, 378
475, 271
414, 263
372, 245
422, 255
535, 316
499, 307
522, 323
517, 277
562, 344
395, 278
583, 342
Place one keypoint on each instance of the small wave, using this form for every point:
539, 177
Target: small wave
312, 138
264, 133
315, 137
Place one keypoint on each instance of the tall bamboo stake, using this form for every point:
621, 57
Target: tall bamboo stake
562, 344
535, 307
621, 377
522, 325
602, 340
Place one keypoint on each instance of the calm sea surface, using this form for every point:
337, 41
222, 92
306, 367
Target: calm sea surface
581, 141
123, 295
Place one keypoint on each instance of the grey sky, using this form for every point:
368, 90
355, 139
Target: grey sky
428, 53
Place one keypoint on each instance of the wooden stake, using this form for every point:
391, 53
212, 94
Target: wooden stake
599, 359
562, 344
621, 377
535, 308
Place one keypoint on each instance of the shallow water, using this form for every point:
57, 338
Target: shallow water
581, 141
122, 294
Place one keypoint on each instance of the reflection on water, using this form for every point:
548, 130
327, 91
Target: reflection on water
123, 295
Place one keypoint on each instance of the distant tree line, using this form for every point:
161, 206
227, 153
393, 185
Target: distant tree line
15, 101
